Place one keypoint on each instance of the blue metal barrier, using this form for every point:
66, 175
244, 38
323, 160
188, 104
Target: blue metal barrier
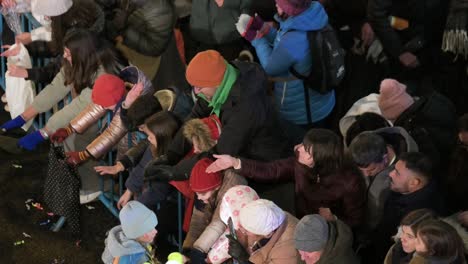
108, 198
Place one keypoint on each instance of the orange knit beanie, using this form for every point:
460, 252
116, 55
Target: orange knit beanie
206, 69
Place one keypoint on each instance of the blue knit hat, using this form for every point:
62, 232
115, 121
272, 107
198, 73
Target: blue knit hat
137, 220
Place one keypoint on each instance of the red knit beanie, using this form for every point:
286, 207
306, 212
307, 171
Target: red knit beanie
108, 90
214, 125
206, 69
200, 181
293, 7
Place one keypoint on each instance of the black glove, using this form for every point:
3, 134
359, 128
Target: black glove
199, 205
197, 257
162, 173
237, 251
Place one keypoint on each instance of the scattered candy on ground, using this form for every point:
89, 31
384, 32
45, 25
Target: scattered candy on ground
17, 243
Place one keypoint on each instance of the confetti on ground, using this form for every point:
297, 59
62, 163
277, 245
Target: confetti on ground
16, 166
45, 222
28, 207
17, 243
29, 201
58, 261
38, 206
78, 243
90, 207
50, 214
26, 235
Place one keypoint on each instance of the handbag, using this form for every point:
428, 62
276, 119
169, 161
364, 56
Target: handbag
62, 188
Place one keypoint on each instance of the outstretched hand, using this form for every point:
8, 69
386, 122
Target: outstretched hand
11, 52
75, 158
8, 3
222, 162
17, 71
109, 170
133, 94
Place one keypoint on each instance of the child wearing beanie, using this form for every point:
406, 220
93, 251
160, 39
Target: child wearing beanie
206, 225
130, 241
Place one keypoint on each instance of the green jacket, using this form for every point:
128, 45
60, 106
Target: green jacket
55, 92
339, 246
211, 24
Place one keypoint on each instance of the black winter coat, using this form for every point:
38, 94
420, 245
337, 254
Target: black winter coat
149, 27
425, 21
431, 121
397, 206
248, 117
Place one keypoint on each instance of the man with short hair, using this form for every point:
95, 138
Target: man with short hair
375, 153
237, 94
411, 188
322, 242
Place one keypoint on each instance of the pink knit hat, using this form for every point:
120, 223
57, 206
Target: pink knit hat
393, 99
293, 7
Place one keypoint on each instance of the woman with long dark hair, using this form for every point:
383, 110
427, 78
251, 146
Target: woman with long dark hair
160, 129
85, 59
325, 181
85, 14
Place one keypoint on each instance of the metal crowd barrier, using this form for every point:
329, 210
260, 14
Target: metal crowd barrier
108, 198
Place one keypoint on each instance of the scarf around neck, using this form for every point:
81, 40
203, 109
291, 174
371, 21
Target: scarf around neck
222, 93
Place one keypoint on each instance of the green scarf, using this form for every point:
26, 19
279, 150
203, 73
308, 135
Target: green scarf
222, 93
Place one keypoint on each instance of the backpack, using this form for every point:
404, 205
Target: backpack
328, 61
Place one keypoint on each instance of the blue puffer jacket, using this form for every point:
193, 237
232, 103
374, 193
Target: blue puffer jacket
280, 49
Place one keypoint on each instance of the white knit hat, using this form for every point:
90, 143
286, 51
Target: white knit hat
137, 219
261, 217
50, 7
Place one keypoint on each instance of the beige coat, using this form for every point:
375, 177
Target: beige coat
280, 248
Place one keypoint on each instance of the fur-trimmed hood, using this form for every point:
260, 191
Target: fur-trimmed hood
206, 130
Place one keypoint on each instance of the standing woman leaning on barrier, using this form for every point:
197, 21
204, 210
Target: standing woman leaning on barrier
63, 15
85, 59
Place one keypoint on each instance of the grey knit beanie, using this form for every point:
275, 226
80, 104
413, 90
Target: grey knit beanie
311, 233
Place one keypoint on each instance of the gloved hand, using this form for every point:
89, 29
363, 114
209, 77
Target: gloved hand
158, 170
237, 251
30, 141
197, 256
247, 26
75, 158
162, 173
61, 134
14, 123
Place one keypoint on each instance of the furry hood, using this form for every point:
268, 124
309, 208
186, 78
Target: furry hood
207, 130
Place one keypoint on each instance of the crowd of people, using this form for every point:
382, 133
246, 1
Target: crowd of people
271, 169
